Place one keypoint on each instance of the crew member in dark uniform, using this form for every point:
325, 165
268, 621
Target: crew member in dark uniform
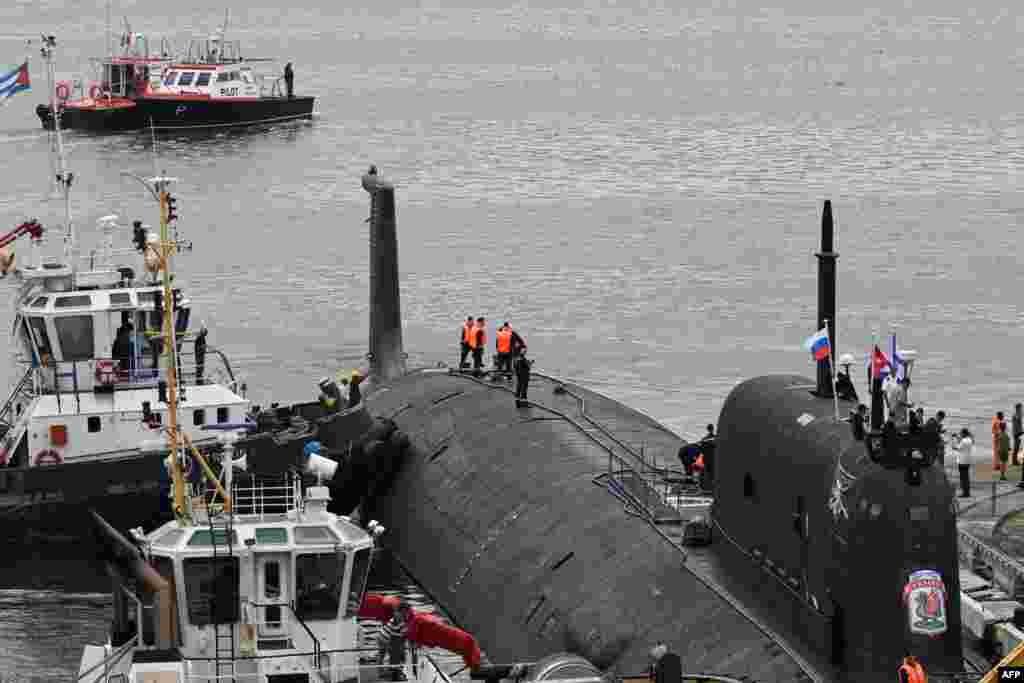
522, 379
467, 332
707, 450
392, 641
354, 395
844, 387
289, 80
200, 346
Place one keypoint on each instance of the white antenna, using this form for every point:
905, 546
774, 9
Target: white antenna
63, 177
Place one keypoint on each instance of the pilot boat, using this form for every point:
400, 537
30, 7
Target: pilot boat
82, 424
210, 85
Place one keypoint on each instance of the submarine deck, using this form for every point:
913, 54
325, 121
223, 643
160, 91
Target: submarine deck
565, 454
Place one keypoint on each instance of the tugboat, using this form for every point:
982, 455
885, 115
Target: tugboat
211, 85
82, 424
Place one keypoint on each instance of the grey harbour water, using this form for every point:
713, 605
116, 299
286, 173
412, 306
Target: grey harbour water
636, 188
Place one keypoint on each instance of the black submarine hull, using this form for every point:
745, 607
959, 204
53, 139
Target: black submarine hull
503, 515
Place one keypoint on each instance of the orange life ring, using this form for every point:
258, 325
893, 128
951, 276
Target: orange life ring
63, 91
48, 457
95, 92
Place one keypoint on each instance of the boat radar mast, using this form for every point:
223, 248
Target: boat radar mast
178, 443
62, 176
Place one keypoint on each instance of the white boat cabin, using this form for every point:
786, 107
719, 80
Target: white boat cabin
214, 81
264, 597
89, 394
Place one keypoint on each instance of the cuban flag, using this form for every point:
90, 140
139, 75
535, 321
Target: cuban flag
818, 344
14, 82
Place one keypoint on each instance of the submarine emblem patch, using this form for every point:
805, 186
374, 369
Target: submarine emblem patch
925, 600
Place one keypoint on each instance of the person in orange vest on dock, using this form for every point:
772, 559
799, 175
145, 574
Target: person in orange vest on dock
477, 343
467, 332
911, 671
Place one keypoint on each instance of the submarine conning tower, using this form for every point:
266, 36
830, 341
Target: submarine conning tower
866, 553
387, 360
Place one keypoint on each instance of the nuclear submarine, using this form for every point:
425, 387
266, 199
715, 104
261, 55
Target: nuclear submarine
535, 528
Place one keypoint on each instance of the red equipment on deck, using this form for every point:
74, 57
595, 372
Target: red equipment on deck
424, 629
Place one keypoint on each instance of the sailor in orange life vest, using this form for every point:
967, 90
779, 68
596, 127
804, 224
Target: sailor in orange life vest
464, 335
509, 345
911, 671
477, 342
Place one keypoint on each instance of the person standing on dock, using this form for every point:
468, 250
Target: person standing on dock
1004, 450
289, 80
464, 341
964, 447
996, 421
1018, 431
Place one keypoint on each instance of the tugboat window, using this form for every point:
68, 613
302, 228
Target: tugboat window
169, 79
186, 78
211, 590
75, 335
120, 298
360, 570
318, 585
72, 302
94, 424
271, 580
223, 77
199, 417
203, 79
748, 486
222, 415
42, 339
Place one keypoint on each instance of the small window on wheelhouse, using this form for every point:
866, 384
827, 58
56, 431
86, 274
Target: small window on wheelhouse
271, 580
357, 584
170, 78
186, 78
203, 79
75, 335
94, 424
198, 417
120, 299
222, 415
42, 338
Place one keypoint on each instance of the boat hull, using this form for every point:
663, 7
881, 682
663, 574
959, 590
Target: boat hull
179, 113
53, 500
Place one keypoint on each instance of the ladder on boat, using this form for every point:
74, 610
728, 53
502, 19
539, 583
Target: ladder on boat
224, 604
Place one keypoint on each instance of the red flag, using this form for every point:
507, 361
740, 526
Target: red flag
878, 361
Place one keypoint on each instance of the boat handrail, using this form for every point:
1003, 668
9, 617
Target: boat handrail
259, 497
26, 380
50, 376
316, 641
194, 672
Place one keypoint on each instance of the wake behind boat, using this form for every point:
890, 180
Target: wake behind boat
209, 85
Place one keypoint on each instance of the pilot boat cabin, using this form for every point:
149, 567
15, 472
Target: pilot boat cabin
94, 387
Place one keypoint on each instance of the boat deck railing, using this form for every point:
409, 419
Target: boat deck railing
66, 379
253, 499
25, 388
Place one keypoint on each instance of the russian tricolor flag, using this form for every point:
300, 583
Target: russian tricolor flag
818, 344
